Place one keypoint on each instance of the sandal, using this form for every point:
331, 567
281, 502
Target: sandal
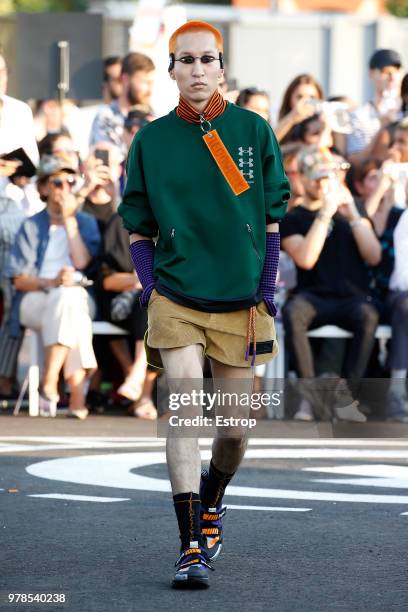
130, 389
145, 409
47, 407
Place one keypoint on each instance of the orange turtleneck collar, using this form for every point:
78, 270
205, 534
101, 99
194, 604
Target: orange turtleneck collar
215, 107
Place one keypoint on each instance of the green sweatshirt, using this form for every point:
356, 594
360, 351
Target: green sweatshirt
211, 243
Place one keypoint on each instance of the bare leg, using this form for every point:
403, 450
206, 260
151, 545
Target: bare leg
55, 356
137, 370
76, 382
148, 385
184, 371
230, 443
120, 350
144, 407
132, 386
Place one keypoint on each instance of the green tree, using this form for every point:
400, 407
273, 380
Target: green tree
399, 8
6, 7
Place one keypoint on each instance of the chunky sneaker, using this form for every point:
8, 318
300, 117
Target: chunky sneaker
211, 525
192, 569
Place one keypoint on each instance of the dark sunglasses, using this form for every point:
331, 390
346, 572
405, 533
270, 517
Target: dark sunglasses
59, 183
204, 59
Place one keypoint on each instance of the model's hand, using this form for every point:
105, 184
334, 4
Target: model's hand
145, 296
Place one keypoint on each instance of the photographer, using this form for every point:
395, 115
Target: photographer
51, 251
296, 105
100, 192
331, 245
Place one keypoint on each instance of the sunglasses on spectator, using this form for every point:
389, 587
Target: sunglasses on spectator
60, 182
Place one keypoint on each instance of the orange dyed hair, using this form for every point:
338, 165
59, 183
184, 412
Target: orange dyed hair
195, 26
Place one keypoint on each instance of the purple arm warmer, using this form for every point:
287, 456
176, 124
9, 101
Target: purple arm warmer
142, 254
270, 270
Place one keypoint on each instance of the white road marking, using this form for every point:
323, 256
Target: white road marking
87, 498
269, 453
23, 448
377, 470
269, 508
286, 442
379, 475
116, 471
86, 439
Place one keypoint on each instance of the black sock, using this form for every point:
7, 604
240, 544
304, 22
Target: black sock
187, 507
214, 490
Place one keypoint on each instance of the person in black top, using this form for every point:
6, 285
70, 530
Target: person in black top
119, 302
332, 247
100, 192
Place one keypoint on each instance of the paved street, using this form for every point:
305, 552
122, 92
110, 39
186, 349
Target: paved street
315, 522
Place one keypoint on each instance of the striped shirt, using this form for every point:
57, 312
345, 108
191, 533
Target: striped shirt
365, 124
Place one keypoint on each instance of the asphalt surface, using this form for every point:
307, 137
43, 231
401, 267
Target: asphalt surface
328, 538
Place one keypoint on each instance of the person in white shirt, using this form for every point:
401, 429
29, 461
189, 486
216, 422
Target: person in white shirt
385, 71
46, 264
16, 122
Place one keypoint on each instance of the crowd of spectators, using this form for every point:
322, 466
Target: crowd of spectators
64, 253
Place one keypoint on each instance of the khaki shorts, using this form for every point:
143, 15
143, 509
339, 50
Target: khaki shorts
222, 334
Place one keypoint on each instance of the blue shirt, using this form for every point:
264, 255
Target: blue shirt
27, 254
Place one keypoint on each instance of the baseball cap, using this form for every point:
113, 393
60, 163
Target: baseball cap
51, 164
315, 162
385, 57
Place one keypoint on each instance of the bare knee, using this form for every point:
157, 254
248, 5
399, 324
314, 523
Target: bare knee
184, 362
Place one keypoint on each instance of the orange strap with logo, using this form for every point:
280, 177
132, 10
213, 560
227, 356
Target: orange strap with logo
225, 162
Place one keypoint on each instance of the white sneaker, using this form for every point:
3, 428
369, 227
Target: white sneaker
305, 412
350, 413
